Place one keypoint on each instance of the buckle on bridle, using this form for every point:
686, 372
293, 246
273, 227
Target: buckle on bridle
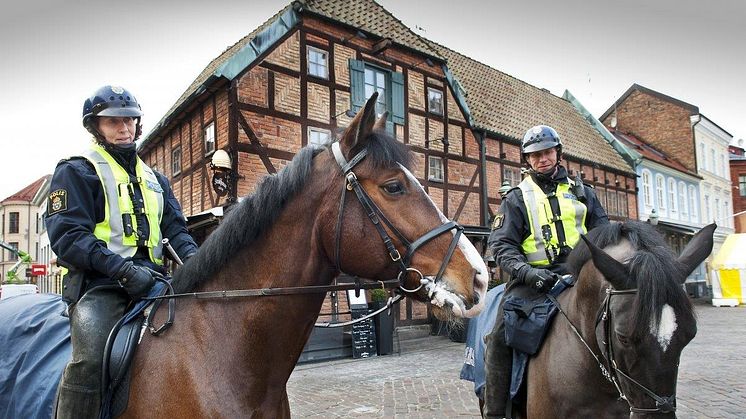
395, 255
351, 178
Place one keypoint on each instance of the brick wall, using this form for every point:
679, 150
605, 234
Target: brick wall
455, 140
660, 123
416, 90
252, 87
287, 54
318, 102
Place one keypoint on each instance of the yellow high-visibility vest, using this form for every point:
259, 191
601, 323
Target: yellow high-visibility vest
572, 216
118, 192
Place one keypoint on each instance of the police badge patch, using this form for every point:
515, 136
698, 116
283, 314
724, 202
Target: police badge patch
57, 202
497, 222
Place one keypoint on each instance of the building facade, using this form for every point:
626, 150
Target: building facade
737, 163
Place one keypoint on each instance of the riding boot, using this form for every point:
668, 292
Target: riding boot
498, 365
91, 320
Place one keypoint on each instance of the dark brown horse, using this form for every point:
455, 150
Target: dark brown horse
232, 357
633, 319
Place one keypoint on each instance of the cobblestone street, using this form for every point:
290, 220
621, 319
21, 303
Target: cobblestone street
423, 381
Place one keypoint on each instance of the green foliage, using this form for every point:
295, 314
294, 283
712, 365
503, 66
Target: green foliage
378, 294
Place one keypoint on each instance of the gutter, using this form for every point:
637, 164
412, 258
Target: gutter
694, 141
483, 183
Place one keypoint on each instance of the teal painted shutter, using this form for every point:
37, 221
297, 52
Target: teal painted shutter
357, 84
397, 98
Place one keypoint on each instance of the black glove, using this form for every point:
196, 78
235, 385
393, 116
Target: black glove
541, 280
137, 280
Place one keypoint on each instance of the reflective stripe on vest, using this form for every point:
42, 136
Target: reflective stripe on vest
117, 188
539, 210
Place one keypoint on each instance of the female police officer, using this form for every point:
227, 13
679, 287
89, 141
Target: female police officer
538, 223
107, 213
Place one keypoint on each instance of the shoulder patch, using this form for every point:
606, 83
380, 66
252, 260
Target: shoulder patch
497, 222
57, 202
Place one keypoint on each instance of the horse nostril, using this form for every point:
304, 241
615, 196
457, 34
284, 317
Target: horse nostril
476, 298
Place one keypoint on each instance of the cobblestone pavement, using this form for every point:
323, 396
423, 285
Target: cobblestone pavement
422, 382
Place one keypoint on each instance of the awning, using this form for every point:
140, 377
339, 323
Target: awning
677, 228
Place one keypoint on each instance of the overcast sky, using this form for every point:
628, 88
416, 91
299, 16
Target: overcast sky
55, 53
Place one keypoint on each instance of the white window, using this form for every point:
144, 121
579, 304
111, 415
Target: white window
318, 136
647, 188
209, 136
435, 168
708, 208
693, 204
176, 161
712, 160
512, 175
672, 196
317, 63
435, 101
375, 81
683, 203
721, 166
660, 193
718, 210
702, 157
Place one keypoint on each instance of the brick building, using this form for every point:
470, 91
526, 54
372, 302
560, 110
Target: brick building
294, 80
737, 165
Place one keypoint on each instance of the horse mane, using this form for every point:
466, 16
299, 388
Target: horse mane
255, 213
653, 270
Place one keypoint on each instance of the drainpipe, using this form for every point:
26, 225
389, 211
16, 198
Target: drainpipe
483, 183
694, 142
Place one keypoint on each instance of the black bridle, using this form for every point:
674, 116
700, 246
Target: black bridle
610, 371
377, 217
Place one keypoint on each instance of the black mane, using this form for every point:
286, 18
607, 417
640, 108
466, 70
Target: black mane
653, 270
257, 212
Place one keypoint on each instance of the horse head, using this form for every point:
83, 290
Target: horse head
645, 319
382, 201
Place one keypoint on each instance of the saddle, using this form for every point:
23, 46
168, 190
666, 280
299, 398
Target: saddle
526, 324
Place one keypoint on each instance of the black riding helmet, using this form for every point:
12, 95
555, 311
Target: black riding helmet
110, 101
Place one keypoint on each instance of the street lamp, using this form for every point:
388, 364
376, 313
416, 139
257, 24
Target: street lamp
504, 188
653, 217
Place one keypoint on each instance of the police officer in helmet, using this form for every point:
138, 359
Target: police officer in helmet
107, 214
537, 225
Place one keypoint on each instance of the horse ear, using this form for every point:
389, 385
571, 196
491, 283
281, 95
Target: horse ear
614, 271
380, 124
699, 247
361, 126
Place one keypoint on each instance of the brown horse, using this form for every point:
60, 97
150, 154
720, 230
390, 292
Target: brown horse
613, 350
232, 357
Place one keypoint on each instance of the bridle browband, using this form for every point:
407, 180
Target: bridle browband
377, 216
611, 371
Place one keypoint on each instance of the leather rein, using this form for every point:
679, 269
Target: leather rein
376, 216
610, 371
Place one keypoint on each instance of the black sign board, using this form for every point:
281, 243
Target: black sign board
363, 335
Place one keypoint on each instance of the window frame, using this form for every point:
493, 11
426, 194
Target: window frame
176, 160
209, 128
683, 199
440, 169
515, 174
660, 193
12, 223
672, 196
310, 64
12, 257
742, 185
442, 106
647, 188
318, 130
693, 207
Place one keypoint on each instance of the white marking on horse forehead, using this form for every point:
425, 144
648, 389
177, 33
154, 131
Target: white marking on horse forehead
666, 327
467, 249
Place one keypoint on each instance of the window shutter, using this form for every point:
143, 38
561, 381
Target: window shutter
357, 84
397, 98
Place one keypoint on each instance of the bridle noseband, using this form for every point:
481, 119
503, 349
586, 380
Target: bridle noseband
611, 371
377, 217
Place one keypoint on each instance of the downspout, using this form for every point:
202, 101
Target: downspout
483, 184
694, 143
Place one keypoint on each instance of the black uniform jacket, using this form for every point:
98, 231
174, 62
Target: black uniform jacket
79, 202
511, 227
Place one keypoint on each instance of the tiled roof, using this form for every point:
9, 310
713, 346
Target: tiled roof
371, 17
507, 106
651, 153
28, 193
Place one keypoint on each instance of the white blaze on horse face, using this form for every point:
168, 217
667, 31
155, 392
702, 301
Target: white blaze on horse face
666, 327
472, 256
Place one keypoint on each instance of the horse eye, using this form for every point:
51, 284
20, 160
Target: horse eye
393, 188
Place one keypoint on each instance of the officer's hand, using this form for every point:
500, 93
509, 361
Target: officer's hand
542, 280
137, 280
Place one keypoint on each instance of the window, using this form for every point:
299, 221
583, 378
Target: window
512, 175
209, 139
601, 195
365, 79
702, 157
742, 185
13, 221
708, 208
660, 193
435, 168
712, 160
176, 160
672, 196
317, 63
682, 199
647, 188
318, 136
612, 202
622, 204
721, 165
435, 101
12, 256
718, 210
693, 204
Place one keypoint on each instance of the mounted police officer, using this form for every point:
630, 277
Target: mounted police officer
107, 213
537, 225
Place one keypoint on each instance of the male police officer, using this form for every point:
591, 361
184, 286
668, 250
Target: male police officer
538, 223
107, 213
